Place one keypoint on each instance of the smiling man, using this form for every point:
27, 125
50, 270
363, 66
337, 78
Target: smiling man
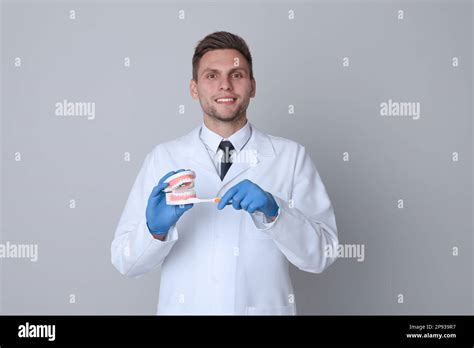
231, 257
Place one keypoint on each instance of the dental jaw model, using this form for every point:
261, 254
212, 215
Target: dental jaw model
180, 189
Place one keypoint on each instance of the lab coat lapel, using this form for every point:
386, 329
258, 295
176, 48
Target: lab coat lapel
197, 152
258, 149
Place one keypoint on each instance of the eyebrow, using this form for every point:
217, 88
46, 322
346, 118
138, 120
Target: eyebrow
215, 70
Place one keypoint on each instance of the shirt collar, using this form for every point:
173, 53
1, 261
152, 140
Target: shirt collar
238, 139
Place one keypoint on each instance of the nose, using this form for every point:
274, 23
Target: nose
225, 84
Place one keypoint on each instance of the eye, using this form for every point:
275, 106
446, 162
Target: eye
211, 76
237, 75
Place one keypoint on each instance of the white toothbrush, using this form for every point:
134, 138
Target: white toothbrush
197, 200
194, 200
203, 200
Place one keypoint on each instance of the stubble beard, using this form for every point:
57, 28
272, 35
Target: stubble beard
238, 114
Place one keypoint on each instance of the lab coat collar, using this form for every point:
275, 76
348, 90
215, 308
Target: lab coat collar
258, 149
239, 139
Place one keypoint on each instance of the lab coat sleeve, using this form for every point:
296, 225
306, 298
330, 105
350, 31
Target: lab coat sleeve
134, 251
305, 229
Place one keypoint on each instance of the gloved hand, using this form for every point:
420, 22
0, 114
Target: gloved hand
159, 215
250, 197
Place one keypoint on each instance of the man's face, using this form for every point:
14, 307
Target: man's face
223, 74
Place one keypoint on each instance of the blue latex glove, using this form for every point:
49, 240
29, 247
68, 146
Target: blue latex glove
250, 197
159, 215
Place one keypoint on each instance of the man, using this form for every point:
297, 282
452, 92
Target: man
231, 257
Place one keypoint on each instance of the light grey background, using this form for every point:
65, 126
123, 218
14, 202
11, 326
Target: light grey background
407, 251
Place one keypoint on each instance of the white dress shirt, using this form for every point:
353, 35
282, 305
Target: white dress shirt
212, 140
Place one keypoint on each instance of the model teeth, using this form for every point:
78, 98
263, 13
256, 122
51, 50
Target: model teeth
181, 182
180, 188
186, 193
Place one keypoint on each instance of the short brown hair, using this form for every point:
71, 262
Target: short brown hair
221, 40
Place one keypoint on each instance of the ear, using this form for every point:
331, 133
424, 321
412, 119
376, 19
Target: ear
193, 89
254, 88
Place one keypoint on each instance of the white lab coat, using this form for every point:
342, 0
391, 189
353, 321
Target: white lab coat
228, 261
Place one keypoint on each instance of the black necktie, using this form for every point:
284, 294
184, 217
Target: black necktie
227, 147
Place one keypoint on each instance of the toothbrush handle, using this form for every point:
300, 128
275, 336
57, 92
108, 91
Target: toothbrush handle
204, 200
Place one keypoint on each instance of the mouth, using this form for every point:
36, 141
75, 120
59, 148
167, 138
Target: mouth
180, 187
228, 100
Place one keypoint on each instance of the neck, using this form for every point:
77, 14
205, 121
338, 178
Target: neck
224, 129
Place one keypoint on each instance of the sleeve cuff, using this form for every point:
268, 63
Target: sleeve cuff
171, 236
262, 222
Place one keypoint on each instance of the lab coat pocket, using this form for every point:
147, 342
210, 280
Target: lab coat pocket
281, 310
251, 229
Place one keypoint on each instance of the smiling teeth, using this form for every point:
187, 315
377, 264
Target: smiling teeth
225, 100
